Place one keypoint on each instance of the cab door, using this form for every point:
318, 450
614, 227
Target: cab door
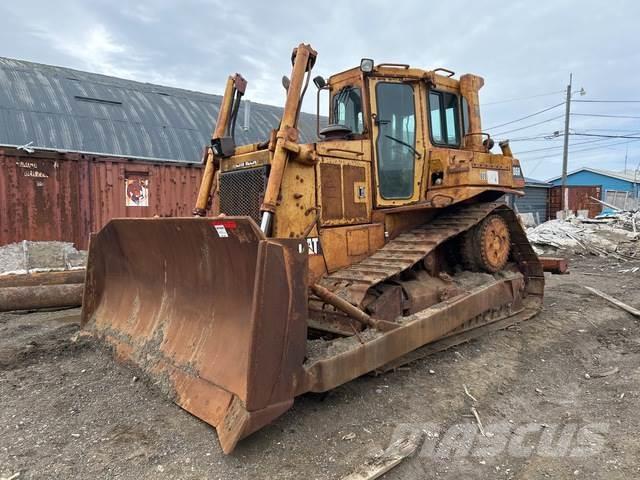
398, 141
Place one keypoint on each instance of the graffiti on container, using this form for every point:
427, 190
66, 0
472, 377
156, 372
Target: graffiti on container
31, 169
136, 192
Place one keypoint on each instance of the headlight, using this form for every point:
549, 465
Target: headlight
366, 65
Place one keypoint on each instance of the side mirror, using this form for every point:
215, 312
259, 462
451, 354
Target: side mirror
319, 82
286, 82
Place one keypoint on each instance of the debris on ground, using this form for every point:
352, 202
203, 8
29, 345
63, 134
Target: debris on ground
397, 451
623, 219
47, 256
627, 308
129, 431
601, 237
604, 373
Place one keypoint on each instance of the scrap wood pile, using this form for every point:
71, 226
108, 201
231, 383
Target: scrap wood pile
622, 219
613, 236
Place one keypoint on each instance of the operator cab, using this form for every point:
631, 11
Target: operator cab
420, 129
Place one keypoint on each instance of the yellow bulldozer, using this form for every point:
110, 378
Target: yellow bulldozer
308, 265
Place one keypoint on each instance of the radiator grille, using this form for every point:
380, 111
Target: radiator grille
242, 192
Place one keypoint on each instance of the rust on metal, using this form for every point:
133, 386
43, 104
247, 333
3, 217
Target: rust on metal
351, 310
579, 199
219, 321
219, 312
48, 195
494, 244
422, 328
404, 251
558, 265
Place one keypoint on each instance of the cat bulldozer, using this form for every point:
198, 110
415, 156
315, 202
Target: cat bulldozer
307, 265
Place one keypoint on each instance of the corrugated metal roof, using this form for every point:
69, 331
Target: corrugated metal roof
532, 182
627, 176
62, 108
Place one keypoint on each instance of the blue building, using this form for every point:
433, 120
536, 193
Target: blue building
618, 188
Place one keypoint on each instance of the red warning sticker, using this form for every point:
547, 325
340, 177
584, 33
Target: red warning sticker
230, 224
221, 227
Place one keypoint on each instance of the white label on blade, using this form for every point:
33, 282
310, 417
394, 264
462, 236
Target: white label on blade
492, 177
222, 232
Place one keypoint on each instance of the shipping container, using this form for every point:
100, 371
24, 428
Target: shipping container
53, 195
579, 199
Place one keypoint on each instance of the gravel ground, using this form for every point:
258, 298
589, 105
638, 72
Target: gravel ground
558, 397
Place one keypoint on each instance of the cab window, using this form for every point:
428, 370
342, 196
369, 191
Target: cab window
347, 109
444, 118
395, 145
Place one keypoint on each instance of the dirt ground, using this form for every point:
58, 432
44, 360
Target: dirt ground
562, 390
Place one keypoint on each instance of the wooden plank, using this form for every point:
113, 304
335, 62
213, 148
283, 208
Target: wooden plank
395, 453
557, 265
633, 311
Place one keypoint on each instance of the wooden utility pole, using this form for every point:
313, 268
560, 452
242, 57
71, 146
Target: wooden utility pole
565, 151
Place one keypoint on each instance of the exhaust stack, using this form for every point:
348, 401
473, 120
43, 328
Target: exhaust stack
470, 85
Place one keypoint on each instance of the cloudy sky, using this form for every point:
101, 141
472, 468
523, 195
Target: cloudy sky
524, 50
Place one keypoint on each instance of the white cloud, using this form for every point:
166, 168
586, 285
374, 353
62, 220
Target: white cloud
520, 48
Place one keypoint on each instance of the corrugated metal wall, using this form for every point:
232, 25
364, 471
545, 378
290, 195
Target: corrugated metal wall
535, 201
65, 196
579, 199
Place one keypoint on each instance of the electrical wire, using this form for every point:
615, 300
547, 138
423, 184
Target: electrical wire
603, 136
607, 101
537, 138
522, 98
529, 126
570, 145
607, 130
602, 115
573, 152
527, 116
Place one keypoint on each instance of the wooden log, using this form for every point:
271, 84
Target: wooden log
42, 278
33, 298
627, 308
554, 264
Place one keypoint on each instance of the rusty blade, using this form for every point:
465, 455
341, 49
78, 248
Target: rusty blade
209, 308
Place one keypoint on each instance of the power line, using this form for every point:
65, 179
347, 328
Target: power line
607, 130
603, 115
607, 101
584, 149
536, 138
529, 126
522, 98
603, 136
571, 145
527, 116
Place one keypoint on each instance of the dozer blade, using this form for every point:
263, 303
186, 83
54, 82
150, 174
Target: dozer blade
210, 309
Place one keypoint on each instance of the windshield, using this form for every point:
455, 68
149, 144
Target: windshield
347, 109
